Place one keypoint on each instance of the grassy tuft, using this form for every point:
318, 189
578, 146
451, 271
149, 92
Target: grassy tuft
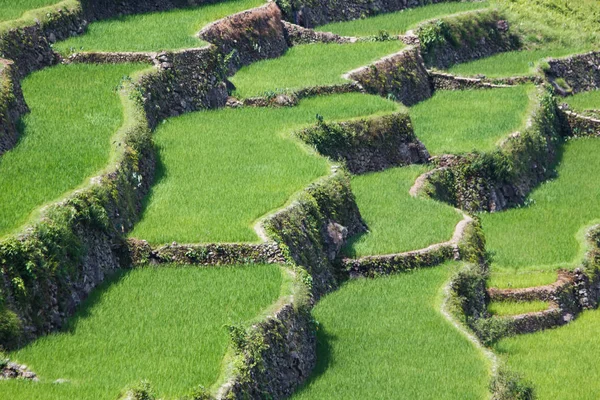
166, 325
386, 338
399, 22
222, 170
502, 308
397, 221
75, 110
167, 30
309, 65
467, 120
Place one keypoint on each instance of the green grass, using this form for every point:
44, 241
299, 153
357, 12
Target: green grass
309, 65
548, 234
14, 9
386, 339
397, 221
166, 325
398, 22
170, 30
512, 63
565, 23
584, 101
221, 170
502, 308
75, 110
466, 120
561, 363
516, 279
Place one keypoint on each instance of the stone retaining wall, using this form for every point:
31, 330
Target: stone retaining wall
581, 125
295, 35
27, 41
368, 145
311, 13
12, 105
483, 182
313, 229
249, 36
401, 75
142, 253
579, 72
464, 37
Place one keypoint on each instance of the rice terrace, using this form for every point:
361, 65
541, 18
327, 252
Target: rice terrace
303, 199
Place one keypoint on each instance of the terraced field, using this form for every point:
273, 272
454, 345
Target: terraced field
10, 10
74, 116
431, 359
213, 161
398, 23
170, 30
308, 65
149, 323
289, 284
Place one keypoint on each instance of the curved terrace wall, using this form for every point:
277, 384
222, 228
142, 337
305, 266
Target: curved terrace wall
12, 105
503, 178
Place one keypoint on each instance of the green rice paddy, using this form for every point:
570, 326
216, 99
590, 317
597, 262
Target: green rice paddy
75, 110
502, 308
397, 23
512, 63
386, 338
167, 30
397, 221
222, 170
166, 325
584, 101
548, 234
309, 65
14, 9
561, 363
453, 122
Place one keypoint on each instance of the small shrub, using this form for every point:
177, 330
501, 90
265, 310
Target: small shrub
489, 330
508, 385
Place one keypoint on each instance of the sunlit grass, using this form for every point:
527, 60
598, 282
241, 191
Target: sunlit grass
465, 120
166, 325
66, 138
13, 9
584, 101
309, 65
549, 233
512, 63
397, 221
502, 308
516, 279
386, 339
397, 23
222, 170
561, 363
167, 30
